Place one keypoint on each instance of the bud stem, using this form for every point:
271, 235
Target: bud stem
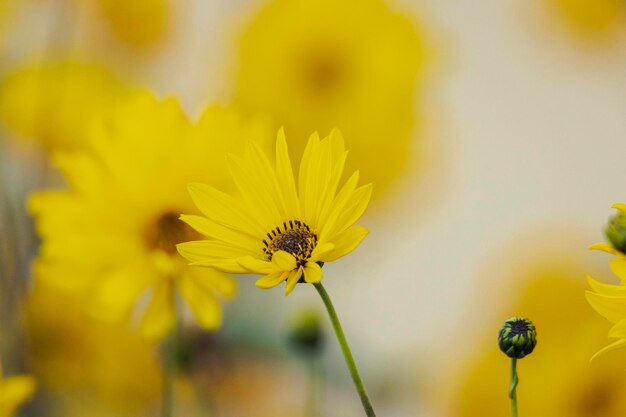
347, 354
512, 390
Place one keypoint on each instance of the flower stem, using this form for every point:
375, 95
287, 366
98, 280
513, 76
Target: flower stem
347, 354
512, 390
168, 359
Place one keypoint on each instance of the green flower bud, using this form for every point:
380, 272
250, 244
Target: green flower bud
615, 231
305, 332
517, 337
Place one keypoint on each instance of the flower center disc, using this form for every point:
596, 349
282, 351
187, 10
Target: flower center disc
293, 237
167, 231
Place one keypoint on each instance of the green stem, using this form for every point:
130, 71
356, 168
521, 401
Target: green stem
314, 381
347, 354
168, 358
512, 390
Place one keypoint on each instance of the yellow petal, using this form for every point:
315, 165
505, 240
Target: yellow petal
615, 345
292, 280
605, 247
613, 308
230, 266
618, 266
273, 279
116, 293
354, 208
160, 317
284, 174
255, 265
346, 242
618, 330
204, 306
200, 250
14, 391
320, 251
619, 206
213, 280
283, 261
222, 208
606, 289
233, 238
312, 273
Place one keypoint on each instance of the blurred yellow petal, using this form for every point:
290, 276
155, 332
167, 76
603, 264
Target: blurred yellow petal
14, 391
160, 316
204, 306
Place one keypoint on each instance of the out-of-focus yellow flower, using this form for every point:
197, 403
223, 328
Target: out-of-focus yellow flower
56, 103
556, 380
14, 391
140, 23
85, 363
273, 228
591, 16
113, 234
607, 299
319, 64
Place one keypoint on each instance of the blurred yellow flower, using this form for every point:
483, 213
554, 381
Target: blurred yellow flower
591, 16
84, 362
319, 64
113, 234
57, 102
141, 23
14, 391
556, 380
609, 300
272, 228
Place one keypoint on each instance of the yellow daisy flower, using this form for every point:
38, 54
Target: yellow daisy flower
352, 64
14, 391
112, 235
609, 300
55, 103
273, 228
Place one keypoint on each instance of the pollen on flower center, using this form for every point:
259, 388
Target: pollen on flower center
167, 231
293, 237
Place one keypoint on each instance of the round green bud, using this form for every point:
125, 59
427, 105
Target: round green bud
517, 337
306, 333
615, 231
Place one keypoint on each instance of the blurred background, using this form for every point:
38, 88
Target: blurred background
493, 132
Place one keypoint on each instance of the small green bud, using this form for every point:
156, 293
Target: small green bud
615, 231
517, 337
305, 332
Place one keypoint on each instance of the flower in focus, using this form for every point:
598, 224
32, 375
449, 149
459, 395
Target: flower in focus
112, 235
319, 64
57, 102
273, 228
14, 391
609, 300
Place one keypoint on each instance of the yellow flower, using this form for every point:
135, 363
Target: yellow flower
353, 64
112, 236
14, 391
272, 228
56, 103
609, 300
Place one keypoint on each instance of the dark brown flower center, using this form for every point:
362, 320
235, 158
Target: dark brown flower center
167, 231
293, 237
